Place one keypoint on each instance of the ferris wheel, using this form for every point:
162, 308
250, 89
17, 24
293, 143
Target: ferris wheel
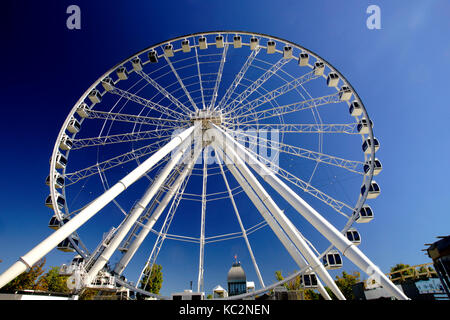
158, 144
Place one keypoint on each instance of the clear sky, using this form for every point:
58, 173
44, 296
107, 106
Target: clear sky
400, 72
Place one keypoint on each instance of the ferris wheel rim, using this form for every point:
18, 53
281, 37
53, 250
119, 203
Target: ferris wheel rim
367, 178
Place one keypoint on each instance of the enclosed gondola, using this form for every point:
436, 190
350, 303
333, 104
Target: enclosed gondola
287, 52
254, 43
237, 41
365, 214
332, 79
61, 161
319, 68
303, 59
202, 43
185, 46
65, 143
108, 83
366, 146
377, 167
152, 56
55, 223
57, 179
219, 41
363, 126
353, 236
95, 96
73, 126
83, 110
60, 201
122, 73
66, 245
345, 93
137, 64
270, 46
355, 109
309, 281
168, 50
332, 260
374, 190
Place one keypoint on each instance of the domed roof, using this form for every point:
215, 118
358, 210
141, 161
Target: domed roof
236, 273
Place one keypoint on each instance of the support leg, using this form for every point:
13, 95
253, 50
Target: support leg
288, 245
89, 211
284, 222
134, 215
347, 248
126, 258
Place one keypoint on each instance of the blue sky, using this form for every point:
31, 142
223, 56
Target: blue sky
400, 72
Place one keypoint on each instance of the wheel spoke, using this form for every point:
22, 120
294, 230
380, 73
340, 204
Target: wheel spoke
238, 79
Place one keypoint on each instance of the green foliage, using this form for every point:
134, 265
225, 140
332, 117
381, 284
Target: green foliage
28, 280
209, 296
398, 267
153, 283
53, 282
295, 284
346, 283
88, 294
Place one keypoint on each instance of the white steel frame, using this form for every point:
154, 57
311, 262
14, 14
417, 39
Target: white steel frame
210, 118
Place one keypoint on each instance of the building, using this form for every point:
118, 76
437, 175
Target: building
219, 292
237, 280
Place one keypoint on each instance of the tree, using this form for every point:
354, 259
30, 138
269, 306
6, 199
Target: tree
52, 281
346, 283
153, 283
209, 296
295, 285
27, 280
402, 274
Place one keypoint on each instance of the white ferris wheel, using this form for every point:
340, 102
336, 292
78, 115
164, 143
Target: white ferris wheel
160, 142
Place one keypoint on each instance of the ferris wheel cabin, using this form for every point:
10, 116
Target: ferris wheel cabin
355, 109
363, 126
377, 167
270, 46
287, 52
202, 43
60, 201
332, 260
345, 93
374, 190
353, 236
309, 281
319, 68
332, 79
365, 215
254, 42
219, 41
152, 56
237, 42
61, 161
137, 64
122, 73
303, 59
65, 143
168, 50
58, 179
73, 126
55, 224
108, 84
185, 46
366, 146
83, 110
66, 245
